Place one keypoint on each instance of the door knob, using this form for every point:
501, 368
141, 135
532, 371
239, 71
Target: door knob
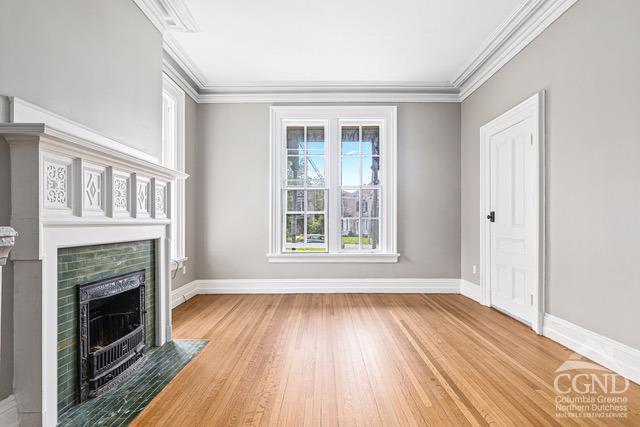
492, 216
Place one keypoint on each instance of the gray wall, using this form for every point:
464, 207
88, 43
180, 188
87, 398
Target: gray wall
233, 196
96, 62
190, 196
589, 63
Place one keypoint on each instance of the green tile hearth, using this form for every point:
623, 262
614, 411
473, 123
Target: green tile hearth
120, 405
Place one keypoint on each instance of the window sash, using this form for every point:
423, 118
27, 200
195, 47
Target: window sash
304, 213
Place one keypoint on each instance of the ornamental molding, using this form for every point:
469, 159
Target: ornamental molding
112, 286
169, 15
7, 240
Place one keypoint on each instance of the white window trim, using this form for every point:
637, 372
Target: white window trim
388, 158
178, 225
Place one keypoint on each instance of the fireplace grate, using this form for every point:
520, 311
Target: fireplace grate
111, 329
104, 363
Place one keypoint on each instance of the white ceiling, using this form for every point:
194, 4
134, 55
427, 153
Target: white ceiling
252, 42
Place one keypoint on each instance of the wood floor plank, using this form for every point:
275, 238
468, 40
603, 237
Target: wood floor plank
362, 360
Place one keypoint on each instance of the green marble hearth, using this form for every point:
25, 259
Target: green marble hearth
121, 404
77, 266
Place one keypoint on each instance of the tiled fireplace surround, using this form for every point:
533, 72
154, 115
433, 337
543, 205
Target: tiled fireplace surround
73, 188
85, 264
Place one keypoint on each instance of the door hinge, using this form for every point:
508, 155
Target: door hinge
531, 299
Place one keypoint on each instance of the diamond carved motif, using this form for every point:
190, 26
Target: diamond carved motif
142, 196
93, 190
56, 184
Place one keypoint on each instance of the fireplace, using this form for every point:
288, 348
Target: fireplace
111, 329
102, 210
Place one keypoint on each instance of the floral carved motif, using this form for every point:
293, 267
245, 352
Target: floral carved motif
120, 193
56, 184
160, 199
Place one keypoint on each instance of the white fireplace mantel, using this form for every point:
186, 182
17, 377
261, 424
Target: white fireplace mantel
69, 190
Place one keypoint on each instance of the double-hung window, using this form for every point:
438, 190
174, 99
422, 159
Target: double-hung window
173, 156
333, 184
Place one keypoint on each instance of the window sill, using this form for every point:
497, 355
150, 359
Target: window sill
333, 258
177, 264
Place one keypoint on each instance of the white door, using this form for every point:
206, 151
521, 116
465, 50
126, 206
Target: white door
512, 228
513, 231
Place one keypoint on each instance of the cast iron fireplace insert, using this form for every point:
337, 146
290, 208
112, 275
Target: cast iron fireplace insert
110, 329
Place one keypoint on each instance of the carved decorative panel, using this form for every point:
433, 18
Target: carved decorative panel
161, 200
57, 184
121, 192
143, 201
93, 189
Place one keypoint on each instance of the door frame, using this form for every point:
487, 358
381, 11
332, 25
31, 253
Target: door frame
532, 107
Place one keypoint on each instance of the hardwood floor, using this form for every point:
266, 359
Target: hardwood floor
362, 359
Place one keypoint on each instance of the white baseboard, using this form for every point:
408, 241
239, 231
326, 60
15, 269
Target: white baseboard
470, 290
183, 293
9, 412
611, 354
288, 286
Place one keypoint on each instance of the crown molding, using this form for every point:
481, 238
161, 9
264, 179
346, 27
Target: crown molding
175, 52
313, 97
169, 15
328, 86
177, 77
511, 37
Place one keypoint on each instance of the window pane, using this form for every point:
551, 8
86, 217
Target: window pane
369, 229
351, 171
350, 148
295, 140
315, 228
350, 202
350, 140
315, 171
349, 239
370, 140
315, 140
370, 170
315, 200
370, 204
295, 228
295, 200
295, 171
350, 133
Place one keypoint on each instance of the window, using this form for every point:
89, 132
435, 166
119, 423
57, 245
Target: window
333, 194
173, 156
